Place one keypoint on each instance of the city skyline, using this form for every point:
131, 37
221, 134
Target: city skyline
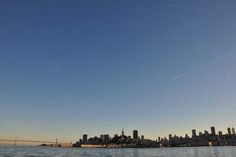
68, 68
194, 132
136, 136
203, 138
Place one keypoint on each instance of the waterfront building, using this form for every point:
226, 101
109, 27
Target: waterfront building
105, 138
233, 131
206, 133
194, 133
213, 131
135, 134
220, 133
229, 131
122, 133
186, 136
170, 137
142, 137
200, 133
95, 141
85, 138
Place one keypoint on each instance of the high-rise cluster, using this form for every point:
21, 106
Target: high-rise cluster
204, 138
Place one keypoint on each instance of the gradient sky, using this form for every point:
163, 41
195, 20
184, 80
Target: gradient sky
74, 67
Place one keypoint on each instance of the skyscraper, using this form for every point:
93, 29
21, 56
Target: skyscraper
105, 137
220, 133
85, 138
135, 134
194, 134
170, 137
229, 131
142, 137
206, 132
122, 133
233, 131
213, 131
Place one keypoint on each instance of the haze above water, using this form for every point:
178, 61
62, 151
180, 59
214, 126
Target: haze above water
82, 152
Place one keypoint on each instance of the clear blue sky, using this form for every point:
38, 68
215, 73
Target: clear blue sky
74, 67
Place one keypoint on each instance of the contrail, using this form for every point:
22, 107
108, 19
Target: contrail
176, 77
183, 74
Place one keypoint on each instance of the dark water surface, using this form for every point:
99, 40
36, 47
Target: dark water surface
17, 151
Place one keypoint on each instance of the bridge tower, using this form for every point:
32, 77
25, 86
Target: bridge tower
15, 140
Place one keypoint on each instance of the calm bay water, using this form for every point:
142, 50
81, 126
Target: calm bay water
17, 151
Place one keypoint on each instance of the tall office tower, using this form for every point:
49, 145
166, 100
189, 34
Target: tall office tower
85, 138
233, 131
122, 133
229, 131
106, 137
213, 131
135, 134
102, 137
200, 133
206, 132
220, 133
194, 134
142, 137
170, 137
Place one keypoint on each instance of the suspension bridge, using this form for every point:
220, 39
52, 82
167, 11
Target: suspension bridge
16, 140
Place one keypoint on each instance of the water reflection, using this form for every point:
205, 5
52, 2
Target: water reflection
216, 151
135, 153
196, 153
80, 152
